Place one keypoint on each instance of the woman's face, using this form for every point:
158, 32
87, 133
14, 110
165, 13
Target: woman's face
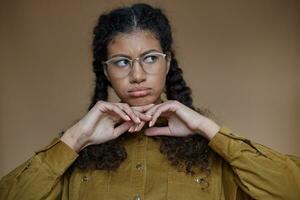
133, 45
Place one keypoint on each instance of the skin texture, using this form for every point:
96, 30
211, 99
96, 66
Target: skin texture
98, 125
133, 45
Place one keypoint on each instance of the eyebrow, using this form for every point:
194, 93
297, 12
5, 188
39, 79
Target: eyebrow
126, 56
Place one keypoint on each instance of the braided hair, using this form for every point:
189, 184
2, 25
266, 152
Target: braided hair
187, 151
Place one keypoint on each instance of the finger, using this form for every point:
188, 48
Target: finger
130, 112
163, 108
120, 112
140, 126
94, 114
98, 109
142, 116
122, 128
158, 131
152, 110
132, 128
156, 115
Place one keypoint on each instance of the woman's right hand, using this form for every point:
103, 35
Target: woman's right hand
97, 126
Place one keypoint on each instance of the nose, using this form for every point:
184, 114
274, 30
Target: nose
137, 73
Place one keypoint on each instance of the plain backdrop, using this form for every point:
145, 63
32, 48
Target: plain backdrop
241, 59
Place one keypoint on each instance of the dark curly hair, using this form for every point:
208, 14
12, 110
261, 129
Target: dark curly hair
191, 151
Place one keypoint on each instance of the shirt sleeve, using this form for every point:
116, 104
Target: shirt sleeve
259, 171
40, 177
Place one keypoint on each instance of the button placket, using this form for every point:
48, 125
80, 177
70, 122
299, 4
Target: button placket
138, 168
202, 180
137, 197
84, 178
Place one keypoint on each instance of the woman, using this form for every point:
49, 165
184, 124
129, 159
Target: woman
143, 147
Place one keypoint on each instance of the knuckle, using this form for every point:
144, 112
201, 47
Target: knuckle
127, 105
116, 109
100, 102
158, 111
116, 105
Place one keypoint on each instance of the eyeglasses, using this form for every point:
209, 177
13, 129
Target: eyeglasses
121, 66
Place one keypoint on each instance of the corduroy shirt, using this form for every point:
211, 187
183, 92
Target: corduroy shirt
239, 170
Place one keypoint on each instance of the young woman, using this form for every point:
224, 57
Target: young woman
143, 147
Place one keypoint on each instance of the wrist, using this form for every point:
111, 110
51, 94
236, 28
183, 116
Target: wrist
74, 139
209, 128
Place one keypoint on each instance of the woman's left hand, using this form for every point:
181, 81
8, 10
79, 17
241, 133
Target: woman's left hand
182, 121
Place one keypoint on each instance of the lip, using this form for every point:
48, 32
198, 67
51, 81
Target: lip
139, 92
138, 89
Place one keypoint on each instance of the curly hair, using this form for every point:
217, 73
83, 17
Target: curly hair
191, 151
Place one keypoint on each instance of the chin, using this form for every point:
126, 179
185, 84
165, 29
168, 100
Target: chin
140, 101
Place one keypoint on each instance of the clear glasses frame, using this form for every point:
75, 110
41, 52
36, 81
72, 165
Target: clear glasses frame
141, 59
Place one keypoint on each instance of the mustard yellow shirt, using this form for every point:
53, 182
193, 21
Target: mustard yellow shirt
240, 170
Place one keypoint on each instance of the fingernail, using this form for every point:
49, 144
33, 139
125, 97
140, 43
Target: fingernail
138, 120
149, 116
150, 124
130, 130
127, 117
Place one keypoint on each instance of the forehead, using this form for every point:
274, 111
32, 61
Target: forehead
133, 44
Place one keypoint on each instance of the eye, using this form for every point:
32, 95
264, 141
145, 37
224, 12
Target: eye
150, 59
121, 62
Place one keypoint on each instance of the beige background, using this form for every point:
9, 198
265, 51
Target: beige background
241, 59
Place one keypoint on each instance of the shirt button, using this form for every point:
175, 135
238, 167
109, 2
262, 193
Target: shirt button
202, 181
139, 166
84, 179
199, 179
137, 197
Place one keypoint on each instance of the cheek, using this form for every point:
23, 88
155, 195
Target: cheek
159, 83
120, 87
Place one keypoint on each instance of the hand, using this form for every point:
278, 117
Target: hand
97, 126
182, 121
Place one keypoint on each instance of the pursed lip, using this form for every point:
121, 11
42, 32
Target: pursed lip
138, 89
139, 92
